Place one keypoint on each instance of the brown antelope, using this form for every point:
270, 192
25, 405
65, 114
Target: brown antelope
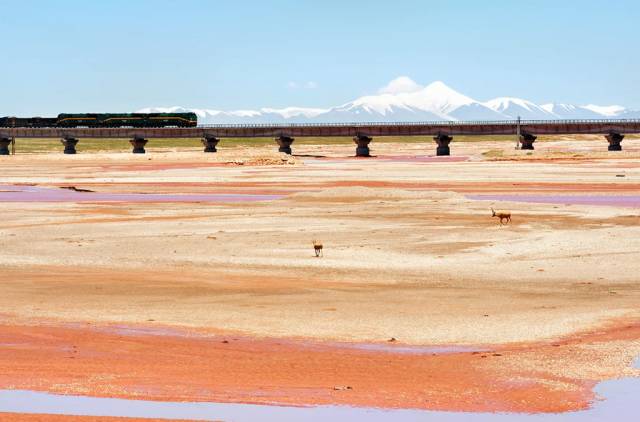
317, 247
502, 215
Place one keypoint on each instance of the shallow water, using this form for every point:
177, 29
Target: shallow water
619, 403
610, 200
39, 194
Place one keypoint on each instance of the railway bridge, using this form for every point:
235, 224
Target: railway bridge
362, 133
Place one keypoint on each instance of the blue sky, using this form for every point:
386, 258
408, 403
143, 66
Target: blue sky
117, 55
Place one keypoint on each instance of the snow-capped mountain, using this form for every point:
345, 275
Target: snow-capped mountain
514, 107
405, 101
570, 111
264, 115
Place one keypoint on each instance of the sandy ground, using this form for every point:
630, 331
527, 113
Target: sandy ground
407, 255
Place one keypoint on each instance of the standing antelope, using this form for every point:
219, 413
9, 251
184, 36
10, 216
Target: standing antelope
502, 215
317, 247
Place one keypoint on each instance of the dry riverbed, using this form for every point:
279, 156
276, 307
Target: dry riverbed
191, 277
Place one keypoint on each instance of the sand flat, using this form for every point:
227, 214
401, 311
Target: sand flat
409, 254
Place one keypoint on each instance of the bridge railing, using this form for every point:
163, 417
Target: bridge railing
424, 123
369, 124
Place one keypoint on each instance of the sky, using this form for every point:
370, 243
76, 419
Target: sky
123, 55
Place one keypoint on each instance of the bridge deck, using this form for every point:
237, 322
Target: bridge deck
553, 127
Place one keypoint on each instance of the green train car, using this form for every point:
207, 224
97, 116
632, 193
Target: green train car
127, 120
11, 121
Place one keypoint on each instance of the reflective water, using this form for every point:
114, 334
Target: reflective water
619, 402
20, 193
610, 200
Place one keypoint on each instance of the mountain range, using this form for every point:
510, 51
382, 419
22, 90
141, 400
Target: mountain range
434, 102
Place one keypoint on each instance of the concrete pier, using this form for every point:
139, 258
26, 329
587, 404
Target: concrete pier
4, 146
69, 145
614, 141
527, 140
210, 144
285, 144
443, 142
138, 145
362, 148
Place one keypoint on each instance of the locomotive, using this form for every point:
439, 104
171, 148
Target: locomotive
136, 120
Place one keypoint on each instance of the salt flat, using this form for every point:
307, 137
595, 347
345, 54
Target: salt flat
409, 254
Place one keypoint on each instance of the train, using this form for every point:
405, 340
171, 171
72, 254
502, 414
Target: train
136, 120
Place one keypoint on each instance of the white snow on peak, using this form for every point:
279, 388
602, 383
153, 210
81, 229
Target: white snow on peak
244, 113
512, 108
438, 97
501, 104
290, 112
609, 111
382, 104
403, 99
552, 107
175, 109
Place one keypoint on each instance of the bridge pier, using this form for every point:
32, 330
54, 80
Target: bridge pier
4, 146
443, 142
69, 145
210, 144
138, 145
527, 140
362, 148
285, 144
614, 141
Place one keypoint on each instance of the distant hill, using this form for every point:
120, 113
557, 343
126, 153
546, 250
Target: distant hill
434, 102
